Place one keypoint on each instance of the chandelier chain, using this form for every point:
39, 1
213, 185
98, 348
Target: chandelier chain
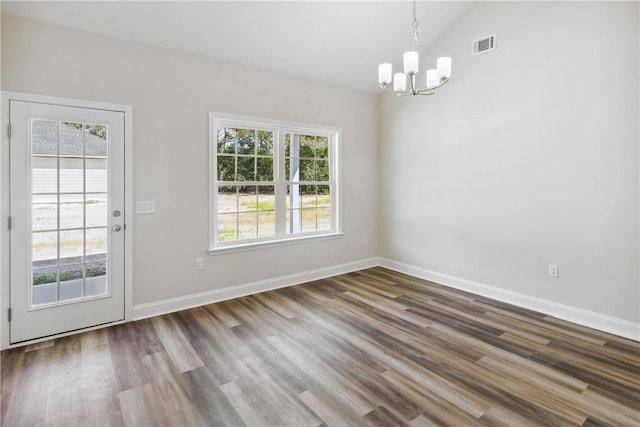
415, 26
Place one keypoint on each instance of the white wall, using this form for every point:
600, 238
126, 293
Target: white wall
171, 95
528, 157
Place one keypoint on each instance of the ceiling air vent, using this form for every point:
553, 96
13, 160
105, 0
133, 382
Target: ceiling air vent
484, 45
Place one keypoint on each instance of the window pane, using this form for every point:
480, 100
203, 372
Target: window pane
71, 246
308, 195
226, 168
308, 220
266, 223
324, 195
71, 139
324, 219
265, 143
246, 169
307, 146
307, 170
322, 170
264, 167
227, 199
95, 206
247, 225
44, 247
248, 199
293, 221
44, 212
227, 227
71, 211
246, 143
71, 175
292, 169
287, 145
294, 200
226, 140
322, 147
44, 137
266, 198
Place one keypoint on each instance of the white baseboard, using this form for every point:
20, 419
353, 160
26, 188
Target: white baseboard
587, 318
142, 311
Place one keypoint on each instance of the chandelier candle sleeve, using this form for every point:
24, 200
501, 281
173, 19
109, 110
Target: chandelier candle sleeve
411, 62
444, 67
384, 74
399, 81
432, 78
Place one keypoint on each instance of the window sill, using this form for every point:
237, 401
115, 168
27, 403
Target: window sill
272, 243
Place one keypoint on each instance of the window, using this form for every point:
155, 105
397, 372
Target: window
271, 182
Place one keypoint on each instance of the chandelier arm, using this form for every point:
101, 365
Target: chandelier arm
432, 90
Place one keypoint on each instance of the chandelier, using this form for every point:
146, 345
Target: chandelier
435, 78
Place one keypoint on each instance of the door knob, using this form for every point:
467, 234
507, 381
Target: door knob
116, 228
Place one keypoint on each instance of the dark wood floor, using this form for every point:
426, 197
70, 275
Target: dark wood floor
368, 348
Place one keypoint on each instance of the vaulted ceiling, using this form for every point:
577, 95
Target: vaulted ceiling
338, 42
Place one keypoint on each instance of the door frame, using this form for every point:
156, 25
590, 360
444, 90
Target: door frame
5, 208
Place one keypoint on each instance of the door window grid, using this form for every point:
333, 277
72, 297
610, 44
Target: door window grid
77, 267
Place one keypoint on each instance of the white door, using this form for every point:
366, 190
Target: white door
67, 218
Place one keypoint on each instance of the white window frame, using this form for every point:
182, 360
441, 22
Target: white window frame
279, 128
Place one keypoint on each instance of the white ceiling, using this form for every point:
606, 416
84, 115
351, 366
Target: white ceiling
337, 42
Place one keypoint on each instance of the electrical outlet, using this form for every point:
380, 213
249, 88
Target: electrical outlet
199, 264
365, 238
553, 270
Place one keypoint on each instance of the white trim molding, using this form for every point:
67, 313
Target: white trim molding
143, 311
576, 315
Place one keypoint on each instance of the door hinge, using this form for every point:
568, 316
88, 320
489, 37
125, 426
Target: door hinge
9, 131
9, 315
9, 223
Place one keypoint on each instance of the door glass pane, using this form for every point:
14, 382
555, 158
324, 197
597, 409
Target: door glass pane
95, 206
71, 282
45, 286
44, 247
71, 246
69, 211
71, 175
96, 279
96, 241
44, 175
44, 212
71, 139
96, 175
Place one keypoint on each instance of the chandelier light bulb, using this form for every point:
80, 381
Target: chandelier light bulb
432, 78
411, 62
399, 81
384, 74
444, 67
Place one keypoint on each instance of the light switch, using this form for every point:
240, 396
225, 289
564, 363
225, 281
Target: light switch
145, 208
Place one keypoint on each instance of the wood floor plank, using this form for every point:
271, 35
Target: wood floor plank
368, 348
178, 348
139, 407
